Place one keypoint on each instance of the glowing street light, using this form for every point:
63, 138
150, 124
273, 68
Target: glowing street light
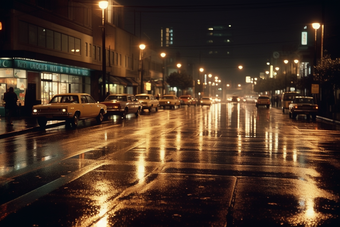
103, 5
141, 47
163, 56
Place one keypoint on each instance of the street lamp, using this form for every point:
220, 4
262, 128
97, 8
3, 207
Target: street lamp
201, 80
163, 56
316, 26
141, 47
240, 67
103, 5
286, 62
179, 65
297, 67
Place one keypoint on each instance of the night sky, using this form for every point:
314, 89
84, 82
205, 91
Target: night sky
259, 27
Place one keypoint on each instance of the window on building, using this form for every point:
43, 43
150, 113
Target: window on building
23, 32
57, 41
94, 52
77, 46
32, 34
86, 49
99, 54
49, 39
64, 43
71, 44
41, 37
112, 58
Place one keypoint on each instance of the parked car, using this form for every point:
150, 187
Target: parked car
186, 99
148, 101
70, 107
263, 100
286, 99
122, 104
303, 105
206, 101
169, 100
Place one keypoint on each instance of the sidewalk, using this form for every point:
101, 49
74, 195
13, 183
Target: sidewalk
22, 125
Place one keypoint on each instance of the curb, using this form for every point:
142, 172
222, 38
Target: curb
31, 129
328, 119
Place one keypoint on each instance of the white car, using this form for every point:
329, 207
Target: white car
148, 101
170, 100
206, 101
69, 107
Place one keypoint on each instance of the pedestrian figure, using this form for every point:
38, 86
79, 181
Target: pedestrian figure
10, 99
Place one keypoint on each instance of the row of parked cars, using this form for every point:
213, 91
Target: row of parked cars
294, 103
73, 107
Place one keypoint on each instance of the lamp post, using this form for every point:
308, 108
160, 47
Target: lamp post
163, 56
141, 47
286, 62
179, 65
103, 5
316, 26
201, 80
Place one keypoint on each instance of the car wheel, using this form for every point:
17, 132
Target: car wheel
137, 113
314, 117
42, 122
100, 117
75, 120
294, 116
123, 114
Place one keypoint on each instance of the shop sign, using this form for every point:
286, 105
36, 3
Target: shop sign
48, 67
6, 63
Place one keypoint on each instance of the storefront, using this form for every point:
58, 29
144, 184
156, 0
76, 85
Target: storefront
37, 81
120, 85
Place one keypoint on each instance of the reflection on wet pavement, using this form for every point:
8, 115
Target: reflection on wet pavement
181, 167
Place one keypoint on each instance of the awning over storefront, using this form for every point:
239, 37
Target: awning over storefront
120, 81
132, 81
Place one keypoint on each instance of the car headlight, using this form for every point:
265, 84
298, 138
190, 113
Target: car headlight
35, 110
63, 110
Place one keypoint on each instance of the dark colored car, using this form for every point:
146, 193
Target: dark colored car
303, 105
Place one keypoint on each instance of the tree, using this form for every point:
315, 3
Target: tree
180, 80
327, 72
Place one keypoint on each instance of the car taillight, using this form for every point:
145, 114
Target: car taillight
315, 107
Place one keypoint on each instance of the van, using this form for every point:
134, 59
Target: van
286, 99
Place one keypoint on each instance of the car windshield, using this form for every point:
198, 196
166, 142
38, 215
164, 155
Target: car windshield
115, 97
263, 97
303, 100
168, 97
142, 97
65, 99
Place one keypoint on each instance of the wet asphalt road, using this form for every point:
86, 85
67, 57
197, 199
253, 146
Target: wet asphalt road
230, 164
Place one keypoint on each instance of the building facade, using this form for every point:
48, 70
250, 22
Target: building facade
51, 47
